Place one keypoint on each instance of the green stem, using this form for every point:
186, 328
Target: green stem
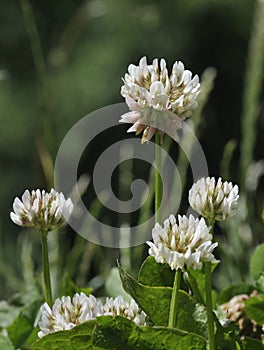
174, 299
46, 267
158, 182
209, 305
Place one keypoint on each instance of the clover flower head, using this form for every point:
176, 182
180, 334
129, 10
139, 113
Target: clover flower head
119, 307
187, 243
157, 100
41, 210
215, 200
67, 313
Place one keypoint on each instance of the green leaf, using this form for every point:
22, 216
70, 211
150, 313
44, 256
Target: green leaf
251, 343
196, 280
23, 325
31, 338
5, 343
257, 262
154, 274
236, 289
227, 336
254, 308
78, 338
120, 333
155, 301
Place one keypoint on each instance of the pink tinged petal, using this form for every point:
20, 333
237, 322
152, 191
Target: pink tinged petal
16, 219
137, 127
18, 206
130, 117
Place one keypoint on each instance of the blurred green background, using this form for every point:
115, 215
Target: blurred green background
61, 60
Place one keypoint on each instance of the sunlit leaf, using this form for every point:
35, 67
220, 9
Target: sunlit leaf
155, 274
79, 338
155, 301
119, 334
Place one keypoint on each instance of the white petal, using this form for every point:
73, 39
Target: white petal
16, 219
156, 88
18, 206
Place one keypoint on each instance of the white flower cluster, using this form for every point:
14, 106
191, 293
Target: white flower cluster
214, 200
118, 307
235, 311
41, 210
150, 86
66, 313
187, 243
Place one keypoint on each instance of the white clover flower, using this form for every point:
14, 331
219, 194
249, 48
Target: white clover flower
42, 210
66, 313
158, 100
119, 307
187, 243
214, 200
